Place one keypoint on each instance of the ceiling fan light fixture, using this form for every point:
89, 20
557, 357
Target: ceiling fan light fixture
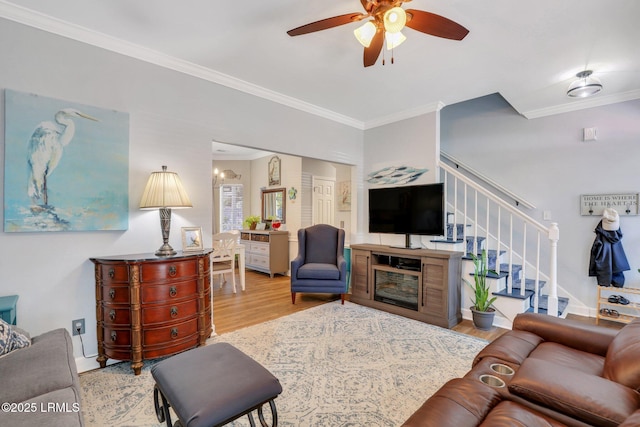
364, 34
584, 86
394, 19
394, 39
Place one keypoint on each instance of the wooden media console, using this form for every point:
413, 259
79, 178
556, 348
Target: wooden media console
421, 284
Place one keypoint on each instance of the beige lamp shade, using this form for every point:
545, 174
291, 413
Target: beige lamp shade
164, 190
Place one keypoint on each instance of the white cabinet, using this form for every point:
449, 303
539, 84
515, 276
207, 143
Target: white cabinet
266, 251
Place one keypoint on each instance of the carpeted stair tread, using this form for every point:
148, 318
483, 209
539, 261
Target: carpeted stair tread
514, 294
494, 275
459, 230
515, 268
543, 305
529, 284
446, 241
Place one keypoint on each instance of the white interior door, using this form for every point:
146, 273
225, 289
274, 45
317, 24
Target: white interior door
323, 201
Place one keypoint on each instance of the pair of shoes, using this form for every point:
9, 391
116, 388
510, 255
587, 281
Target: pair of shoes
618, 299
609, 312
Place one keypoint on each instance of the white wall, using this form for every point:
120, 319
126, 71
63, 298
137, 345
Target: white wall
412, 142
173, 118
546, 162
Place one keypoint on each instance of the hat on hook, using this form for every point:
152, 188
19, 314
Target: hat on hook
610, 219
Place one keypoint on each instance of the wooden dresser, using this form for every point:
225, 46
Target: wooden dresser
148, 307
266, 251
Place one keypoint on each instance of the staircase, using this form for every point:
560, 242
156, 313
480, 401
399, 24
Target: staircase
520, 250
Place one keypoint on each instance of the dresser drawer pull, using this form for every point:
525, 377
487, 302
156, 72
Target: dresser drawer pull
112, 315
112, 272
172, 270
173, 291
174, 332
174, 311
114, 336
112, 293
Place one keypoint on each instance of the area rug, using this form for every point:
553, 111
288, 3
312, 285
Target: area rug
339, 365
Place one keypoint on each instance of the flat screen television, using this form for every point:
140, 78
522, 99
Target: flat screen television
412, 209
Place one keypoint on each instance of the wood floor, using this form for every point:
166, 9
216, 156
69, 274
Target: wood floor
266, 299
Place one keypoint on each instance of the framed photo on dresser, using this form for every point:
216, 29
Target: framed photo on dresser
192, 239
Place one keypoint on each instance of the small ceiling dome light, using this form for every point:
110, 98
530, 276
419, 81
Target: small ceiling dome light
365, 33
585, 86
395, 19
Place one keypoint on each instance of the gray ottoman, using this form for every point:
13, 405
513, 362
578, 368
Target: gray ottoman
212, 386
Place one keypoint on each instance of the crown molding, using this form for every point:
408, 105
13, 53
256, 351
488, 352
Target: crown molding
403, 115
597, 101
62, 28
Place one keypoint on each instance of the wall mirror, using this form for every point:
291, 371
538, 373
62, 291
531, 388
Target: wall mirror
273, 204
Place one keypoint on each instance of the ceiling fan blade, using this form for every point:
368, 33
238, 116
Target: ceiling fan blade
372, 52
435, 25
326, 24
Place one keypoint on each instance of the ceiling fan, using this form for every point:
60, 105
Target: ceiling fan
387, 21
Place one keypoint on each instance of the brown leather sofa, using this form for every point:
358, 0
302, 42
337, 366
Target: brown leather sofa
546, 371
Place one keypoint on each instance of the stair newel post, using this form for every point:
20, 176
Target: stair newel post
554, 236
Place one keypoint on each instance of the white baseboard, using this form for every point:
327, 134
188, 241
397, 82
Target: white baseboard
89, 363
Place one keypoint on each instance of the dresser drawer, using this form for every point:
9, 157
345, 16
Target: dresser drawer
261, 261
169, 313
113, 316
259, 248
115, 294
114, 273
167, 334
116, 337
169, 292
168, 270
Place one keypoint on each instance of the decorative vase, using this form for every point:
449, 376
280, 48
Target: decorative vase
253, 226
483, 320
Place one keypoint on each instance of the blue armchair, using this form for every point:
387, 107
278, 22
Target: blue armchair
320, 266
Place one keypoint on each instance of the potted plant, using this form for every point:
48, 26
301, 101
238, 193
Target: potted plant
481, 310
251, 221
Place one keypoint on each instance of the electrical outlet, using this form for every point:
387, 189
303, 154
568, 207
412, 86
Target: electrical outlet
77, 327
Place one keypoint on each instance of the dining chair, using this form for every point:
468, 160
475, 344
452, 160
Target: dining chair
223, 257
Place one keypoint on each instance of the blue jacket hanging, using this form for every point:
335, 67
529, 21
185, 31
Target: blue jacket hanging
608, 260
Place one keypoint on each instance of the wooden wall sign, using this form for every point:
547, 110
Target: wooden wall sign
594, 204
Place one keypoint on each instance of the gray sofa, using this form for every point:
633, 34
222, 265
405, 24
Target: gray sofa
40, 385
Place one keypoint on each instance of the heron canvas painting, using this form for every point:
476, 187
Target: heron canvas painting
66, 166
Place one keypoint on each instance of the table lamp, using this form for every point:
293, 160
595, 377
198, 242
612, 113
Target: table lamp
164, 191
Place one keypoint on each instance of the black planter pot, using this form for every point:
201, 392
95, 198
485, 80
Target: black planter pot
483, 319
